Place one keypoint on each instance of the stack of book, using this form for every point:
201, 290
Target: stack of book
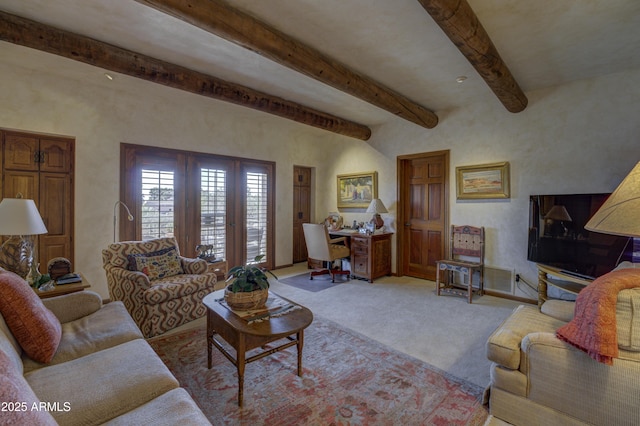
69, 278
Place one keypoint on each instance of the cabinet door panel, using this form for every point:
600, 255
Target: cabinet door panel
57, 156
55, 208
20, 152
25, 183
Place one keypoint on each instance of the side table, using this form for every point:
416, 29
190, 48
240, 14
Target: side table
59, 290
220, 268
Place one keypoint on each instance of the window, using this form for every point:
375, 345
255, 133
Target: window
200, 199
213, 210
157, 218
256, 219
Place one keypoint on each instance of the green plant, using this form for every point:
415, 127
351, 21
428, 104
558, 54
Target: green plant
247, 278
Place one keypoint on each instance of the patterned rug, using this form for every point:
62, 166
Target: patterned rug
348, 379
318, 283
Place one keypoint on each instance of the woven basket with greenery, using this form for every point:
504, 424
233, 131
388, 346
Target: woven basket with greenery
246, 300
249, 288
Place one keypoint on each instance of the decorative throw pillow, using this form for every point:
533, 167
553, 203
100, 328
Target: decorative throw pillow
36, 328
19, 403
158, 264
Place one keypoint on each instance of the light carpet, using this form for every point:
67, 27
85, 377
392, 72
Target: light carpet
347, 379
406, 314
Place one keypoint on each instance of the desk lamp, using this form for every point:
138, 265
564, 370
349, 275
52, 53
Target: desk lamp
376, 207
19, 219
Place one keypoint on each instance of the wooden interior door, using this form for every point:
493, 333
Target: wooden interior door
423, 213
301, 210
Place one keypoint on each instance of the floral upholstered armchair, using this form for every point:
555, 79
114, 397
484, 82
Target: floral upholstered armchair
160, 289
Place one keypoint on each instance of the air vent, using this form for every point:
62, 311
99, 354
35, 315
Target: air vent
498, 279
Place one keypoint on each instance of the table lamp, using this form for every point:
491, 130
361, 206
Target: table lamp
620, 214
19, 219
559, 213
376, 207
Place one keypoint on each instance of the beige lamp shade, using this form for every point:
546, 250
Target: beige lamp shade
620, 214
376, 207
20, 216
558, 212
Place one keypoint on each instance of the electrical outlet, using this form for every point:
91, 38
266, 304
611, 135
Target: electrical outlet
517, 278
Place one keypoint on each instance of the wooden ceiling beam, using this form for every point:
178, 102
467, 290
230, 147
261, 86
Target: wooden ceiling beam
218, 18
39, 36
461, 25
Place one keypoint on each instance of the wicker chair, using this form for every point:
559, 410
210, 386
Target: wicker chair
160, 289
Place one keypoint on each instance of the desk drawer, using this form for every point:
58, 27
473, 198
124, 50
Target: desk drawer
360, 265
359, 245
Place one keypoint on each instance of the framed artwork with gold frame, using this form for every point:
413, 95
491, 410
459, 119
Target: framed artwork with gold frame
356, 190
483, 181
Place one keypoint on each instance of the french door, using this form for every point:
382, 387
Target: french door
223, 202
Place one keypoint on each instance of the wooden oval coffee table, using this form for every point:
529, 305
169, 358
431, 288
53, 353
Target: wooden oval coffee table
243, 334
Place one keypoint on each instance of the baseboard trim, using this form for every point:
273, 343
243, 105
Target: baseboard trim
510, 297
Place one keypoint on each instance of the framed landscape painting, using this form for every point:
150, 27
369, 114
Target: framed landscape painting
356, 190
483, 181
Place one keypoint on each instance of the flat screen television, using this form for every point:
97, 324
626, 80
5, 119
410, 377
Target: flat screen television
557, 236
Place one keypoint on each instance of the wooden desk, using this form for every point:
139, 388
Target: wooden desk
59, 290
370, 254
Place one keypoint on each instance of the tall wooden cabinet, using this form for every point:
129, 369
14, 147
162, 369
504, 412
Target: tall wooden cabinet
40, 167
301, 210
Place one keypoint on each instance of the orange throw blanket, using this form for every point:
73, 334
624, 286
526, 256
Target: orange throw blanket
593, 327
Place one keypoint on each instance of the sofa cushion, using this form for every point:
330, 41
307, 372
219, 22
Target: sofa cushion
172, 408
103, 385
559, 309
503, 346
108, 327
19, 402
628, 319
9, 345
158, 264
34, 326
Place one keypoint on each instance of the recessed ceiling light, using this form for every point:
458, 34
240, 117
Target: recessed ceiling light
461, 78
109, 76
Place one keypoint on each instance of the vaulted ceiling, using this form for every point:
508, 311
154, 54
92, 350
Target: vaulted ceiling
345, 66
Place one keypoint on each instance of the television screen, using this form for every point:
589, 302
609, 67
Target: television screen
557, 236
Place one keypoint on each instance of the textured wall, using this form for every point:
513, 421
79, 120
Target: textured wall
581, 137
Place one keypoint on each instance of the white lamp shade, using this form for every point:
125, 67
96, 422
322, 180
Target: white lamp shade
376, 207
20, 216
558, 212
620, 214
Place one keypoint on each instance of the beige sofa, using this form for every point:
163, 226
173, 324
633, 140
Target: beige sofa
538, 379
92, 365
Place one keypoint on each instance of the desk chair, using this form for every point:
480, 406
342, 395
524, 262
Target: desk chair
321, 247
466, 256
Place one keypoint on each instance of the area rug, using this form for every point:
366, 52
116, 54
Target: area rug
348, 379
318, 283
